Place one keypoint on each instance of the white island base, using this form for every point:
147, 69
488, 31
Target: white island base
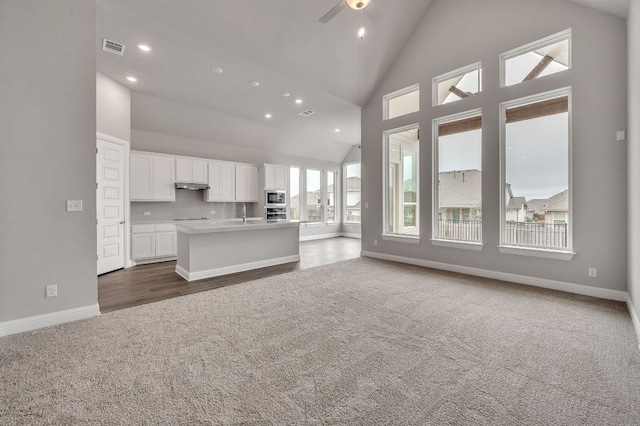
209, 250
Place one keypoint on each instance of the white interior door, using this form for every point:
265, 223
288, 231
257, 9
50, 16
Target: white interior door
110, 206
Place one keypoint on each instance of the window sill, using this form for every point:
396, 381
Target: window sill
399, 238
537, 252
464, 245
352, 223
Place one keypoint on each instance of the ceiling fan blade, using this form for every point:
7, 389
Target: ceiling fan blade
373, 13
333, 12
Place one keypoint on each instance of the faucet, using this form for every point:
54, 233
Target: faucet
244, 213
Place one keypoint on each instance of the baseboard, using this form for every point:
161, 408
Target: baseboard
634, 317
216, 272
320, 237
348, 235
47, 320
601, 293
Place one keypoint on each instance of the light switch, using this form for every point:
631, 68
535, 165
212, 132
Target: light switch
74, 205
621, 135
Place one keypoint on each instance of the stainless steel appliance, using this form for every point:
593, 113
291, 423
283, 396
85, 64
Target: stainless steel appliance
275, 214
275, 198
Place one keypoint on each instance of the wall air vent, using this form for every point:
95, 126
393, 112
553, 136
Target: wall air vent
112, 47
306, 113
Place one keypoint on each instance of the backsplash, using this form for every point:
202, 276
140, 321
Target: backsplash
188, 205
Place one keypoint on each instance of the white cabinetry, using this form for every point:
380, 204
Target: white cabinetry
153, 242
152, 177
276, 177
192, 170
246, 182
222, 180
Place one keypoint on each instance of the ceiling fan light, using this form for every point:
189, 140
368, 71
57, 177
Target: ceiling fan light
358, 4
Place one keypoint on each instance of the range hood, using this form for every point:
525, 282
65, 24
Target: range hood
192, 186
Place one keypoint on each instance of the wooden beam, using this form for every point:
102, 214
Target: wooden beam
538, 109
458, 92
460, 126
537, 70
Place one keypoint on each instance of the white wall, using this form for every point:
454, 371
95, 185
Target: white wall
458, 33
47, 156
633, 158
113, 108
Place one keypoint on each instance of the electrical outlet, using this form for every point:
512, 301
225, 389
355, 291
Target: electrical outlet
366, 205
147, 213
593, 273
375, 242
74, 205
52, 290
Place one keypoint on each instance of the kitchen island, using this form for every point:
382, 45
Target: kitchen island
212, 249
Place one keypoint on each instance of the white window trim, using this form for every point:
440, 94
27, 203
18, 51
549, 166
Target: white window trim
436, 176
386, 98
401, 238
385, 180
344, 192
533, 251
336, 199
451, 74
458, 244
538, 44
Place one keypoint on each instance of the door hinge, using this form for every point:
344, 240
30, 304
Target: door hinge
96, 185
96, 150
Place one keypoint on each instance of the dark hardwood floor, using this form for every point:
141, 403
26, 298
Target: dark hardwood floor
158, 281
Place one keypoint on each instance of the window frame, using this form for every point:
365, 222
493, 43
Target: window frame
322, 196
401, 92
300, 208
534, 251
336, 198
455, 73
345, 193
386, 235
436, 240
529, 47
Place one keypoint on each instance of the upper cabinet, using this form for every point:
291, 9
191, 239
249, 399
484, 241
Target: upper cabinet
276, 177
191, 170
246, 182
152, 177
222, 180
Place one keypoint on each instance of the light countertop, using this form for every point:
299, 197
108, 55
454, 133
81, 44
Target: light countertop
197, 227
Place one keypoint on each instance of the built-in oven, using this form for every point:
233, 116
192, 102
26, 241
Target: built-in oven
275, 198
275, 214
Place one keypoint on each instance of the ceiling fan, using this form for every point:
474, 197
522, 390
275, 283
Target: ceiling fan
372, 12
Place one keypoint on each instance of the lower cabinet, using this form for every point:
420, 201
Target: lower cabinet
153, 242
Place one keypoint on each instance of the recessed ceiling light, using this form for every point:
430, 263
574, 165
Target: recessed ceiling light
144, 48
361, 32
298, 101
337, 130
285, 94
268, 115
217, 70
132, 79
254, 83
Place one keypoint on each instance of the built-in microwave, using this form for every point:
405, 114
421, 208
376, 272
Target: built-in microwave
275, 198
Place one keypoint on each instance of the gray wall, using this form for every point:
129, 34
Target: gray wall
113, 108
47, 129
457, 33
633, 142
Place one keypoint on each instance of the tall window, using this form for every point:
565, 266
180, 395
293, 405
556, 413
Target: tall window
458, 177
401, 175
536, 164
458, 84
314, 196
331, 196
352, 192
294, 193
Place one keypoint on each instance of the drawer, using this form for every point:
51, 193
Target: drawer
161, 227
142, 228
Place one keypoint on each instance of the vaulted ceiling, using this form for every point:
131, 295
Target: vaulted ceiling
278, 43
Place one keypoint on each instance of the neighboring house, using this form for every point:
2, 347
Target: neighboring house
460, 195
553, 210
516, 210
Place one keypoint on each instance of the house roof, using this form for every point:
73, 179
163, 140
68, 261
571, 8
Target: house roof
516, 203
460, 188
559, 202
353, 183
537, 205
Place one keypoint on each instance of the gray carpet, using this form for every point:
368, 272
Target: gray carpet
357, 342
